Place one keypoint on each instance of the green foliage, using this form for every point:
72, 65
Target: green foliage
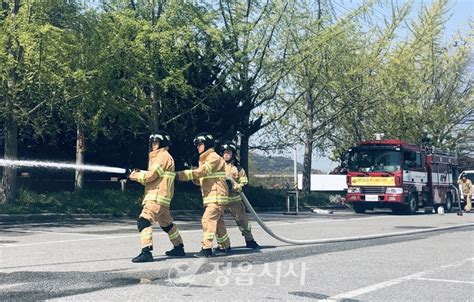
272, 164
86, 202
265, 199
126, 68
422, 86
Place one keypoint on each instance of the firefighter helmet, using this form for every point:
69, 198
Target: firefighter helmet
162, 137
204, 138
229, 145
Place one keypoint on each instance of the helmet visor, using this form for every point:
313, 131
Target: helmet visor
230, 147
198, 141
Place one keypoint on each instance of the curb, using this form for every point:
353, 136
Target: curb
46, 217
52, 217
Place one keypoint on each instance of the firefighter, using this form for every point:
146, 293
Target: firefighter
235, 205
159, 189
466, 188
210, 175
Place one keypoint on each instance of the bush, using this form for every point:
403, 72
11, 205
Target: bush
265, 199
85, 202
315, 199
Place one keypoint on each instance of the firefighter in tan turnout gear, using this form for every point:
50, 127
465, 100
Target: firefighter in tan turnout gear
466, 188
235, 205
210, 175
159, 189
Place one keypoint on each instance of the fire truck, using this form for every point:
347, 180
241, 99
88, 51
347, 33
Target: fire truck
390, 173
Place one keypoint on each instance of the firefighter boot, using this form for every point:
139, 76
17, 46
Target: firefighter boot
177, 251
145, 256
204, 253
252, 244
219, 251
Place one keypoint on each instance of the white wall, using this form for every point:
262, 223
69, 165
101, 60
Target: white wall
325, 182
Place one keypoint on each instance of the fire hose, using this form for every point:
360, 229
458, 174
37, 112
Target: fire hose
340, 239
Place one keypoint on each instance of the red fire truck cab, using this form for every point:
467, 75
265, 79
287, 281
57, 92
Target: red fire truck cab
393, 174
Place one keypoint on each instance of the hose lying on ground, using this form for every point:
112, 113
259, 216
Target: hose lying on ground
342, 239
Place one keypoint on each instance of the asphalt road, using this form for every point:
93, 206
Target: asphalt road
89, 259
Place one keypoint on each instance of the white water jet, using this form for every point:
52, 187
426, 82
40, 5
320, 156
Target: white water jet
53, 165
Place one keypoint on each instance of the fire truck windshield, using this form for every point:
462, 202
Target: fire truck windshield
374, 160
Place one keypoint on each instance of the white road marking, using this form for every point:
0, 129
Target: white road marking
381, 285
71, 240
6, 286
56, 233
445, 280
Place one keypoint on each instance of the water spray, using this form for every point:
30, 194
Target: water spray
56, 165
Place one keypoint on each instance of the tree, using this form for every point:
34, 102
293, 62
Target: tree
13, 56
165, 69
427, 84
29, 42
423, 87
331, 69
82, 103
253, 65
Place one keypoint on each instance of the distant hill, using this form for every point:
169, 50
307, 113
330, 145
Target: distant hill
261, 164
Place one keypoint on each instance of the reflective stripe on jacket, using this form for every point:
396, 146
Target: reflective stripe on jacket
211, 176
159, 179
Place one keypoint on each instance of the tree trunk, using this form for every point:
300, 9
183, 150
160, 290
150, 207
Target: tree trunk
307, 162
244, 143
244, 152
9, 180
308, 144
80, 144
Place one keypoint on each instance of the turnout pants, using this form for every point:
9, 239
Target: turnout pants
237, 210
156, 213
213, 226
468, 206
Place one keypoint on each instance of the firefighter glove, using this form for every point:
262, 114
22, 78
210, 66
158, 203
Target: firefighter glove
131, 171
237, 187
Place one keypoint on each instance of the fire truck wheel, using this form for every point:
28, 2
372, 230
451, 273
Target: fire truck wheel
359, 208
448, 205
412, 205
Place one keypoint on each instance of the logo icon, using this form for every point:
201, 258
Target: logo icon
182, 274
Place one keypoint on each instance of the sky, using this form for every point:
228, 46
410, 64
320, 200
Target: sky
460, 13
463, 11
